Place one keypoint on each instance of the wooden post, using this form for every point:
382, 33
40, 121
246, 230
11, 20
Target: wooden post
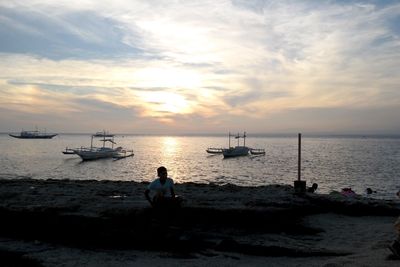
299, 163
299, 185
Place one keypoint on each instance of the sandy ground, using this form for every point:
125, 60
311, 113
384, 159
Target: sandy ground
218, 226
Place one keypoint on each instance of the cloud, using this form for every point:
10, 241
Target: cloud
219, 61
83, 35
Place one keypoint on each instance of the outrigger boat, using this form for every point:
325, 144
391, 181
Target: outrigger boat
237, 150
36, 134
91, 153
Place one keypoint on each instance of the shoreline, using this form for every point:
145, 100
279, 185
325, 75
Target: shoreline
249, 223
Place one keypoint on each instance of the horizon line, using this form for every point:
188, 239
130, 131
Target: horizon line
284, 134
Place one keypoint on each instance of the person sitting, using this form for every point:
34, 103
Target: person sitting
313, 188
163, 188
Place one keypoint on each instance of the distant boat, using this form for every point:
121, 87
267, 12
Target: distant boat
33, 135
214, 150
68, 151
257, 151
92, 153
103, 134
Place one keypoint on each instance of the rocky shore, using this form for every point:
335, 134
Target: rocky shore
109, 223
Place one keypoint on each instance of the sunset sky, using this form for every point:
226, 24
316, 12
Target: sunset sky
173, 67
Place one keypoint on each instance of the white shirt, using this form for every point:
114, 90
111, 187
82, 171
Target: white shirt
164, 189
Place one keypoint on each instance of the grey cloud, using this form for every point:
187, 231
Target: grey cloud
339, 120
253, 96
242, 98
72, 89
83, 35
394, 25
98, 105
317, 120
79, 90
256, 91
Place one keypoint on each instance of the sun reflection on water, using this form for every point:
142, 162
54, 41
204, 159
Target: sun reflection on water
169, 146
172, 156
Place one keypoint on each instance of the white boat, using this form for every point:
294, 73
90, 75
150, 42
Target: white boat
92, 152
214, 150
96, 153
257, 151
238, 150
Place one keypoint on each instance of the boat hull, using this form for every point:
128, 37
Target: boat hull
237, 151
33, 136
89, 155
257, 151
69, 151
213, 150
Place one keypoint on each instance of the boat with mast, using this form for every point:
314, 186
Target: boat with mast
237, 150
36, 134
92, 152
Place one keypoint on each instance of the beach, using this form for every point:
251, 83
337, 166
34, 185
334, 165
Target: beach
109, 223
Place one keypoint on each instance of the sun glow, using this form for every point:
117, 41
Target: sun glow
158, 103
167, 78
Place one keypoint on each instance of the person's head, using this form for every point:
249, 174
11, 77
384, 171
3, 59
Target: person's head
314, 186
162, 173
369, 191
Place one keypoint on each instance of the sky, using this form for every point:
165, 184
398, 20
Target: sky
210, 66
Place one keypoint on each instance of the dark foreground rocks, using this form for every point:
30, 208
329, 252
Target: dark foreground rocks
266, 221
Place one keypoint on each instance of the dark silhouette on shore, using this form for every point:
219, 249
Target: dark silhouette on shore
163, 189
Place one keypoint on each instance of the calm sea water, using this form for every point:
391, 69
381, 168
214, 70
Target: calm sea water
332, 162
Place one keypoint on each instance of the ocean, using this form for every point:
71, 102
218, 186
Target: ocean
334, 162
